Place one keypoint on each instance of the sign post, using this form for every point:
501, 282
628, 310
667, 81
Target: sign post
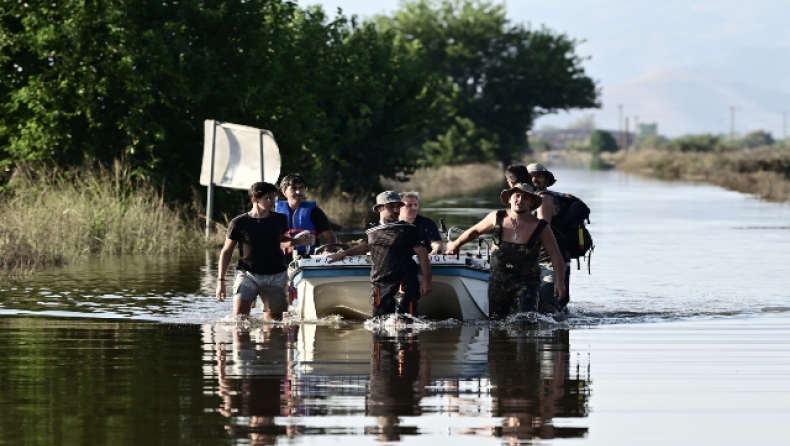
235, 156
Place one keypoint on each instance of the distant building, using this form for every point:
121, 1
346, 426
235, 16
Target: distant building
650, 129
564, 139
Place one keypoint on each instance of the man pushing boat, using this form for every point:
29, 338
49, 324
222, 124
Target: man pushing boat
395, 286
515, 274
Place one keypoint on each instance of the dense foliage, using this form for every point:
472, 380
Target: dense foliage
502, 76
348, 102
602, 141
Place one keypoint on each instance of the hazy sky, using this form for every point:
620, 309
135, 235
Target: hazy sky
733, 41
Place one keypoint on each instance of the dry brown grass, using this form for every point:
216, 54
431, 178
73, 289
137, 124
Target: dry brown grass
445, 181
764, 172
435, 182
344, 209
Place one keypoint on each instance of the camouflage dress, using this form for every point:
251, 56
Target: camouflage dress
515, 276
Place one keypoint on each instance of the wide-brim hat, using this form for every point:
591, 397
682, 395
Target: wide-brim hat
536, 167
387, 197
528, 190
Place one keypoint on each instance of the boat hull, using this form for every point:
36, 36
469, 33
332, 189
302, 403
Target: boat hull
460, 288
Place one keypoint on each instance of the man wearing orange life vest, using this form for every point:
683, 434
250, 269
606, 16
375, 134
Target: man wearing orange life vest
303, 215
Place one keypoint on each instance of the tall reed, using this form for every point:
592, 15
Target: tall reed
764, 172
49, 216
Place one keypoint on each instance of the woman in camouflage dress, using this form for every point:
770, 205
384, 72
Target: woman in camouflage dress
515, 274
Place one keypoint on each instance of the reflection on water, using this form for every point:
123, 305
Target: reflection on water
134, 349
294, 380
163, 288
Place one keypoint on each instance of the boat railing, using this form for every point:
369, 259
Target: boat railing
363, 261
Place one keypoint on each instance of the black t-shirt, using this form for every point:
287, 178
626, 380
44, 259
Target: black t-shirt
320, 220
429, 232
259, 242
391, 251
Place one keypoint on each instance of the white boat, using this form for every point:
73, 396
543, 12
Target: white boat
460, 288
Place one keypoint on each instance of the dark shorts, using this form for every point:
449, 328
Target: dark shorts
397, 297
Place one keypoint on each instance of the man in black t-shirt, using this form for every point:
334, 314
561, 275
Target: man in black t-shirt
429, 232
261, 269
395, 287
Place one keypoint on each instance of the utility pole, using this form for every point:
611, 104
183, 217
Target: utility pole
620, 125
636, 131
732, 125
784, 128
625, 136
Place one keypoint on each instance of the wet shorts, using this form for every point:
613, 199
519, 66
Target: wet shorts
270, 287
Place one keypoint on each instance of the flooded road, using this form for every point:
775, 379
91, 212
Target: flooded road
681, 334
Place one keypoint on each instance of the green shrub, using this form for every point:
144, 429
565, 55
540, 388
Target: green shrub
602, 141
698, 143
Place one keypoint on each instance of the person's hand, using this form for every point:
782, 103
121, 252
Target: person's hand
451, 250
309, 239
221, 291
435, 252
425, 287
559, 291
335, 257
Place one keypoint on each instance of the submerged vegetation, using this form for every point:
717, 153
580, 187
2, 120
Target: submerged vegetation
52, 217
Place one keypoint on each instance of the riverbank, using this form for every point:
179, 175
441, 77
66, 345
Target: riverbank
55, 217
764, 172
348, 211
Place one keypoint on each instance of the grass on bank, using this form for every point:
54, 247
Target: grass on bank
764, 172
350, 211
51, 217
448, 181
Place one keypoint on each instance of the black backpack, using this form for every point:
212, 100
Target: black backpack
570, 228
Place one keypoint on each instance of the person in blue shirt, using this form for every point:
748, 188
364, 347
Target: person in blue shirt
429, 232
303, 215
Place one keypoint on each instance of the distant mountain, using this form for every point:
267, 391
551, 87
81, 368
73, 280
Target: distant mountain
683, 102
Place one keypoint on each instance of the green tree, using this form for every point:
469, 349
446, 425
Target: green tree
757, 138
135, 79
501, 76
602, 141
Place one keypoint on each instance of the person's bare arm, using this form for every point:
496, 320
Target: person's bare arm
328, 237
483, 226
550, 243
222, 269
546, 210
426, 286
358, 250
436, 247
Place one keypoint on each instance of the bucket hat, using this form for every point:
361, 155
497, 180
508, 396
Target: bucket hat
387, 197
535, 167
528, 190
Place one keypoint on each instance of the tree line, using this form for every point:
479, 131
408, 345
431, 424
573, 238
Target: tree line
349, 101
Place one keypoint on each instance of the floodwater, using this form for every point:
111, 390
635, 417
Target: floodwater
680, 335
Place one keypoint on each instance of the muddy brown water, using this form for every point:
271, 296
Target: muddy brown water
680, 335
